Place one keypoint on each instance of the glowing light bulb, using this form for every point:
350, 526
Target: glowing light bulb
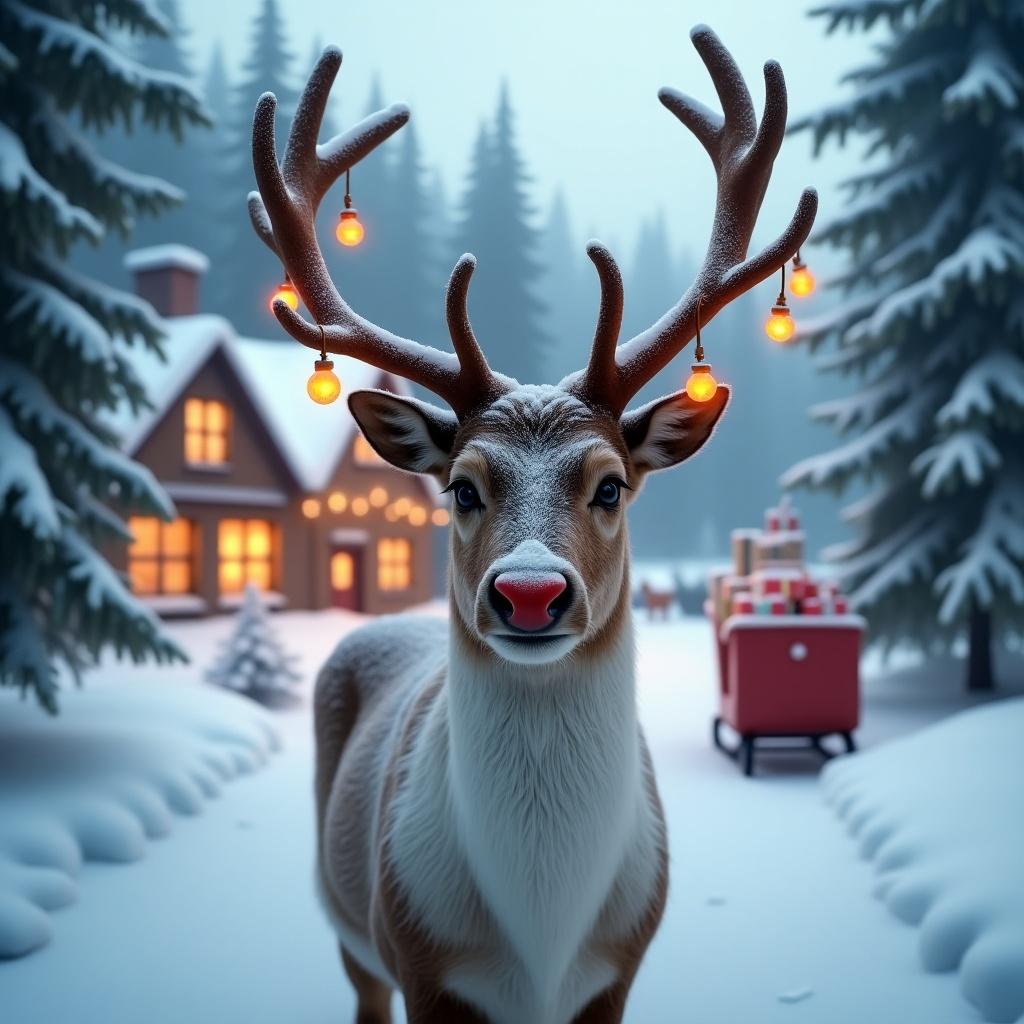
439, 517
349, 231
779, 326
801, 281
700, 385
323, 385
287, 294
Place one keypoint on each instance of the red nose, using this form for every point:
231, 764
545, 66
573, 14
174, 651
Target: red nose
530, 595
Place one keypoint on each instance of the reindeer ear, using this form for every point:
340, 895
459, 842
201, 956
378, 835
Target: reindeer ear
409, 434
668, 430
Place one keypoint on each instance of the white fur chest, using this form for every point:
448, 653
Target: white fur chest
526, 807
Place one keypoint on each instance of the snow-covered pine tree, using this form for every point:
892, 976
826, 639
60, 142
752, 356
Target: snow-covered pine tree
252, 660
186, 162
569, 291
66, 356
416, 280
244, 272
932, 324
496, 226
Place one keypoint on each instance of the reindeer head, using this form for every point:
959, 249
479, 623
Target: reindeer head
540, 476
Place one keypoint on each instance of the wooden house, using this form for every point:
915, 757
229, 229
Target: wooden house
270, 488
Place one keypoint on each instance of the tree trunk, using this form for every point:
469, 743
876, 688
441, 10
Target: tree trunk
979, 651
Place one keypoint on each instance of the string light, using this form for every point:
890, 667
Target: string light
323, 385
349, 232
287, 294
779, 326
801, 280
701, 385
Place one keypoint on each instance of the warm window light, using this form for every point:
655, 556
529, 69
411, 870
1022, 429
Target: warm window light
417, 515
378, 497
779, 326
286, 293
323, 385
337, 502
701, 386
311, 508
360, 506
439, 517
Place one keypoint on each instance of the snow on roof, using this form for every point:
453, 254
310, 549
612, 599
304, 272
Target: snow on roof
311, 438
156, 257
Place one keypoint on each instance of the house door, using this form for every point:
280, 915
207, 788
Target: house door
347, 578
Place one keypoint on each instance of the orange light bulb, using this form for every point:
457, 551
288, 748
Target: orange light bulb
779, 326
349, 231
701, 386
323, 385
287, 294
801, 281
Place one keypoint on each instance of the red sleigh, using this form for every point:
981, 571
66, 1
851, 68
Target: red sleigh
787, 677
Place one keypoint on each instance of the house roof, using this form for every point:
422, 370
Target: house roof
311, 438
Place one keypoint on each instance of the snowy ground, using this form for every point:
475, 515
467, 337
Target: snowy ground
770, 917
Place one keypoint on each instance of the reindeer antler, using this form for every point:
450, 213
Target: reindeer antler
742, 153
283, 212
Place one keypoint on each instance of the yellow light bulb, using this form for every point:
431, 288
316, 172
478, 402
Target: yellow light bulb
779, 326
801, 281
349, 231
439, 517
700, 385
323, 385
287, 294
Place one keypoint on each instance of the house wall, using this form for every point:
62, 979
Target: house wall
356, 480
256, 483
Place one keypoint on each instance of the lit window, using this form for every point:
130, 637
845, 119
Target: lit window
394, 563
343, 570
245, 554
206, 432
161, 555
364, 453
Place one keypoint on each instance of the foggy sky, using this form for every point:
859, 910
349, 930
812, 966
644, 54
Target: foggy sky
584, 76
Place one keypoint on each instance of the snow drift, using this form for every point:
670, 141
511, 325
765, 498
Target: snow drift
941, 815
95, 783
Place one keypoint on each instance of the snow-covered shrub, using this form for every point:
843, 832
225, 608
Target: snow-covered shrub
253, 660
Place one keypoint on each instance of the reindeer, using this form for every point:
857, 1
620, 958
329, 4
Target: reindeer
490, 839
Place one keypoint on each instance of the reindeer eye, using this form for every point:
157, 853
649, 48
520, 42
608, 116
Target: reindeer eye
608, 493
466, 496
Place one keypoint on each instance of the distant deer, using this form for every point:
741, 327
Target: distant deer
490, 839
657, 601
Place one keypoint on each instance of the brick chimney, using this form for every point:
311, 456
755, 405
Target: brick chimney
167, 277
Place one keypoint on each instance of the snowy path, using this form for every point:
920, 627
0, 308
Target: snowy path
770, 917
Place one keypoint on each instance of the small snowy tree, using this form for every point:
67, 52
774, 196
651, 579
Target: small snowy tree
932, 323
253, 661
66, 339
